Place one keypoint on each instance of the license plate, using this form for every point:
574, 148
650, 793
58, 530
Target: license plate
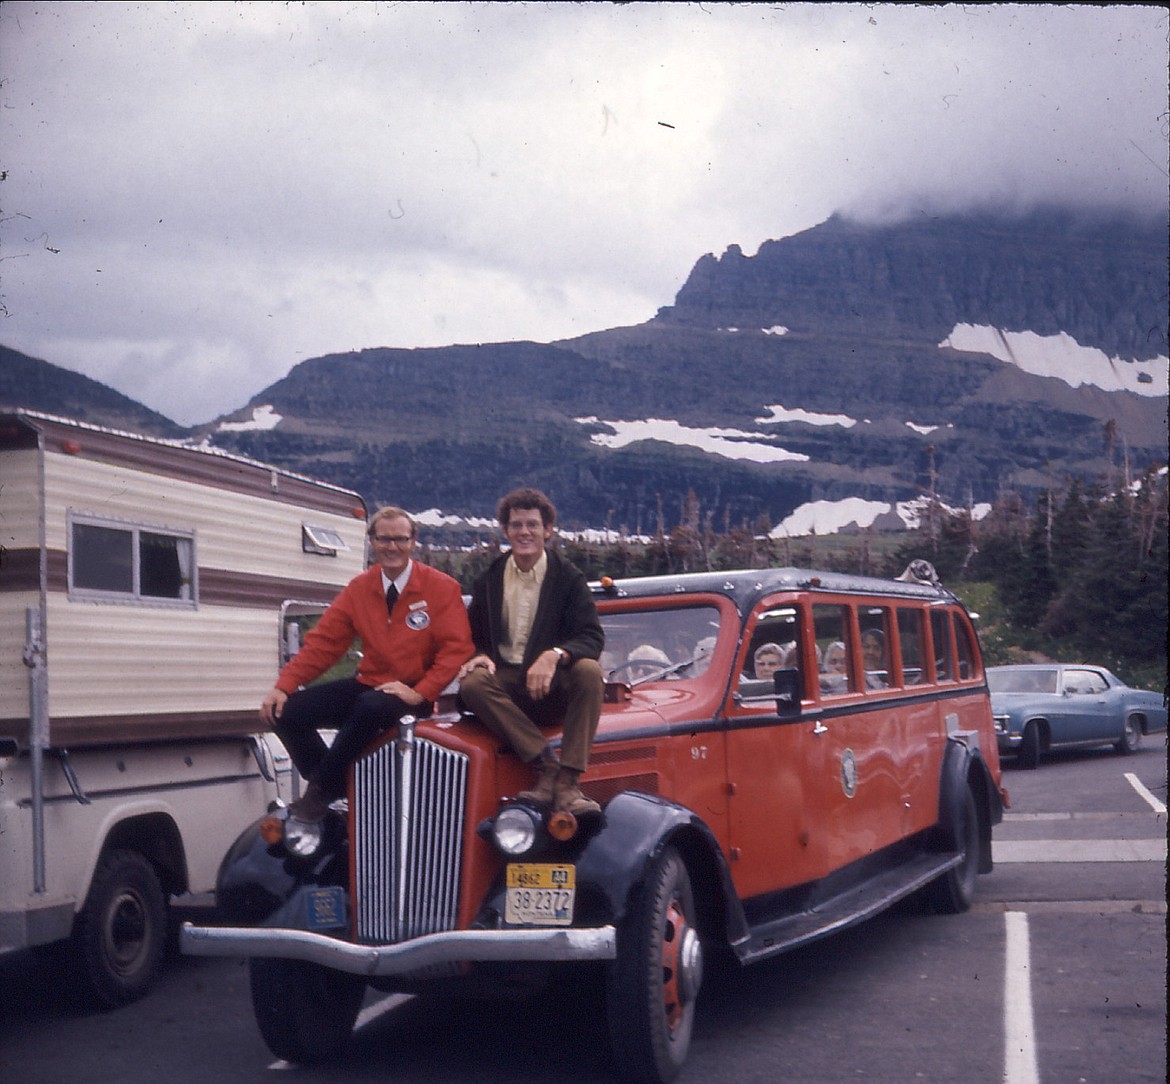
539, 894
326, 908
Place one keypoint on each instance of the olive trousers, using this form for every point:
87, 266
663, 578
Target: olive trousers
502, 703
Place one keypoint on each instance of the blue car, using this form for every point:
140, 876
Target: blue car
1039, 707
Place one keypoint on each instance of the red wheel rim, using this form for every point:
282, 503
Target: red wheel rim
672, 940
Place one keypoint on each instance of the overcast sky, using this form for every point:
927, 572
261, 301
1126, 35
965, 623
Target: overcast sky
200, 195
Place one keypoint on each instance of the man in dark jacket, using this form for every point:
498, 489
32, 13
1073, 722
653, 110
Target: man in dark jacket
538, 639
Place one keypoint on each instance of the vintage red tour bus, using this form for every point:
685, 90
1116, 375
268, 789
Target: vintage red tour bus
783, 753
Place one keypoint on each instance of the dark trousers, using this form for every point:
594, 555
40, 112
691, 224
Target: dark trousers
358, 712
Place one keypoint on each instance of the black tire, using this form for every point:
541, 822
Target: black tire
119, 935
953, 892
1030, 746
305, 1012
1131, 736
652, 984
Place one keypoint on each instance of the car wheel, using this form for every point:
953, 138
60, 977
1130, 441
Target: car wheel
305, 1012
1030, 746
119, 935
952, 893
1131, 736
652, 984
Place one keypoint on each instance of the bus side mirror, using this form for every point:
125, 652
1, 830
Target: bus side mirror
787, 685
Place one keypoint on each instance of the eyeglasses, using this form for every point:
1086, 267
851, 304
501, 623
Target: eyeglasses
515, 526
391, 539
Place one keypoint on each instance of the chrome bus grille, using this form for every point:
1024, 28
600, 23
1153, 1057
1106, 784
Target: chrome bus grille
407, 817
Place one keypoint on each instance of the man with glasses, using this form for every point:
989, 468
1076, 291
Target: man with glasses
538, 638
414, 636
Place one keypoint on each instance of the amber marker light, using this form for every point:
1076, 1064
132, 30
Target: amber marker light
562, 826
272, 830
606, 585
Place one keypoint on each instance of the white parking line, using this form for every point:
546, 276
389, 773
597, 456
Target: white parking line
1078, 850
1023, 818
1156, 805
1019, 1036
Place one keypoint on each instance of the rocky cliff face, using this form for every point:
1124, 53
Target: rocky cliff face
1100, 279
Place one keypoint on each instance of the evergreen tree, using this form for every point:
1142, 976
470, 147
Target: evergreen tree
1070, 527
1014, 556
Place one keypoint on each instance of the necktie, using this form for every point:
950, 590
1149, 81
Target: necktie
391, 598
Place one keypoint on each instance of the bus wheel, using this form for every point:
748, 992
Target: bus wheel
119, 935
652, 984
952, 893
305, 1012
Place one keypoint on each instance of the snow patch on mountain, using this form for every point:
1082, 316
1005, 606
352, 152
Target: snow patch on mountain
1062, 357
729, 443
434, 517
779, 413
925, 430
829, 517
263, 419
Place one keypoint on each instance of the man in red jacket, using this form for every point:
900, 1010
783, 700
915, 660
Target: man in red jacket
414, 637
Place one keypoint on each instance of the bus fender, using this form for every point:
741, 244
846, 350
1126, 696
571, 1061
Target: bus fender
612, 862
965, 769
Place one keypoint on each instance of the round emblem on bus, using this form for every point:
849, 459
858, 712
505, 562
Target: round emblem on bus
849, 773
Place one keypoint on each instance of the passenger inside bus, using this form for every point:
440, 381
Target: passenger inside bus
873, 653
704, 649
644, 660
835, 678
768, 659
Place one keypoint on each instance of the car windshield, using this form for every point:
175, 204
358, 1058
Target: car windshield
658, 644
1021, 681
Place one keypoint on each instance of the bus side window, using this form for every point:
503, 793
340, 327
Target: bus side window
774, 645
964, 649
875, 646
832, 633
940, 627
910, 638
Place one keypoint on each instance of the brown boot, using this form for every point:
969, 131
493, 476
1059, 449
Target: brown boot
569, 798
311, 806
545, 789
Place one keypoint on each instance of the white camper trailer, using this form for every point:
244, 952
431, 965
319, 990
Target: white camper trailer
148, 592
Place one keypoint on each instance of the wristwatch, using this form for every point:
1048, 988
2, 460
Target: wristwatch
562, 655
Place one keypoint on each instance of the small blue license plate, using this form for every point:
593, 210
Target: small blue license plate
325, 908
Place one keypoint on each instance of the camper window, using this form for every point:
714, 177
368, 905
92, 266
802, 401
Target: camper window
126, 561
322, 540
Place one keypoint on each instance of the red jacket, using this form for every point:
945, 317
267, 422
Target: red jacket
423, 643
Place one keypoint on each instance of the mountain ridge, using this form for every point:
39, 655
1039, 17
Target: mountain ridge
745, 373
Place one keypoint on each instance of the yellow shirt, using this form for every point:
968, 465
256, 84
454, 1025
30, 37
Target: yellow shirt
521, 594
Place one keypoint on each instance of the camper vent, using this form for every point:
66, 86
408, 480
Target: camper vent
322, 540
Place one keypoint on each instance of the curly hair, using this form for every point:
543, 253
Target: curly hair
526, 497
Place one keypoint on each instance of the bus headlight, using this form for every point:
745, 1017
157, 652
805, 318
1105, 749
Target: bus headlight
516, 830
303, 838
